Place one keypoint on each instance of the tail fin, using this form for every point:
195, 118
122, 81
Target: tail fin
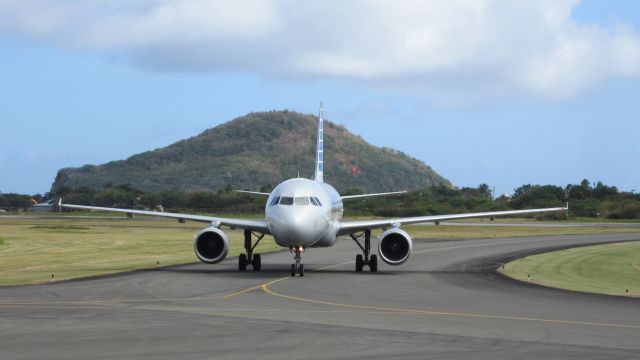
320, 148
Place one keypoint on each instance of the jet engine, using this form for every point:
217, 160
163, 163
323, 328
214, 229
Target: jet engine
395, 247
211, 245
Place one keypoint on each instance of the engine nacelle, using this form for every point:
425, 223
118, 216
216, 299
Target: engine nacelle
211, 245
395, 247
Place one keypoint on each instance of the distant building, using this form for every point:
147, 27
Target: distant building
42, 207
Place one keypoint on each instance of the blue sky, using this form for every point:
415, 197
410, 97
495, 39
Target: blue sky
93, 83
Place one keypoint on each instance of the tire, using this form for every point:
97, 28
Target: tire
359, 263
256, 262
293, 270
242, 262
301, 270
373, 263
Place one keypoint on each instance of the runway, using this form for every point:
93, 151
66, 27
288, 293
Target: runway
447, 302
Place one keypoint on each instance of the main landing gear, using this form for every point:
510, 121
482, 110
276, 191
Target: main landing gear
250, 258
364, 258
297, 268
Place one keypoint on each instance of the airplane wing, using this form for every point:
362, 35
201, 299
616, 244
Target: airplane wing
347, 227
256, 225
347, 197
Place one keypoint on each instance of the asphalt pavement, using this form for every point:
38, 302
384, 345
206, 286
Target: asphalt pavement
446, 302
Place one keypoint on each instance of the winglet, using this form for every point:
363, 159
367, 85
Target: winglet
60, 202
320, 148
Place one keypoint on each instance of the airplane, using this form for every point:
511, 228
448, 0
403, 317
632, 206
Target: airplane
307, 213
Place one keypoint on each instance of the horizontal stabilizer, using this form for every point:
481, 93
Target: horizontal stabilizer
253, 192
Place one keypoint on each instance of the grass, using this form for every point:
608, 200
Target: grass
33, 249
607, 269
62, 228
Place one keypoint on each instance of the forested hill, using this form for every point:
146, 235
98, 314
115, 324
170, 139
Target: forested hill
257, 151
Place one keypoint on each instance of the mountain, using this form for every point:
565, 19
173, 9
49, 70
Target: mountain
257, 151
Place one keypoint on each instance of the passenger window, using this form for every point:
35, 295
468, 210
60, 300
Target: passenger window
302, 200
285, 200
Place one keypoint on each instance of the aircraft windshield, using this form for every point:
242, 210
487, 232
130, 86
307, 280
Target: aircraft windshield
299, 200
285, 200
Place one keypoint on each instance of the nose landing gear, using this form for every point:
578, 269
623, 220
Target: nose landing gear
364, 258
297, 268
250, 258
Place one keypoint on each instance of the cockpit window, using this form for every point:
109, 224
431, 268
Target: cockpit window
299, 200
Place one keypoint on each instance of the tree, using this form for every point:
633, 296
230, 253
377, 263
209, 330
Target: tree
485, 190
150, 200
602, 191
533, 196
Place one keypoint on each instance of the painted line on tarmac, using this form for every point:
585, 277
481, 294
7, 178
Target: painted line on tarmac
267, 290
259, 286
244, 291
259, 310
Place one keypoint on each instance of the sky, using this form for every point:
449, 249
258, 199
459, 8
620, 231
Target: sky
498, 92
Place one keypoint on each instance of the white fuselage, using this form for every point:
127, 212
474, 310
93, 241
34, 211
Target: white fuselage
303, 212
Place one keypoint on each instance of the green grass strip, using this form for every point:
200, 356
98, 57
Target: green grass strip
612, 269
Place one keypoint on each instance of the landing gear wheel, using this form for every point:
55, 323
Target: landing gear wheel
301, 270
293, 270
364, 258
242, 262
249, 257
373, 263
256, 262
359, 263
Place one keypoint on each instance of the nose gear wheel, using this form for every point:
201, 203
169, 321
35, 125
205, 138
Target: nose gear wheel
297, 267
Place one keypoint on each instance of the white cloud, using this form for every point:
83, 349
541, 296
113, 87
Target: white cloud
457, 48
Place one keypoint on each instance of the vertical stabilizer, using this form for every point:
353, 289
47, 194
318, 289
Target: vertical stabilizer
320, 148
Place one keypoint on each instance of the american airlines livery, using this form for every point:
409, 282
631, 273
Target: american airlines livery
303, 213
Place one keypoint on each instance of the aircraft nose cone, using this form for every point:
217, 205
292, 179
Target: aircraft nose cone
291, 228
299, 230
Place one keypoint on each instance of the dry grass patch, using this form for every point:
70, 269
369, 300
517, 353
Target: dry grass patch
32, 250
